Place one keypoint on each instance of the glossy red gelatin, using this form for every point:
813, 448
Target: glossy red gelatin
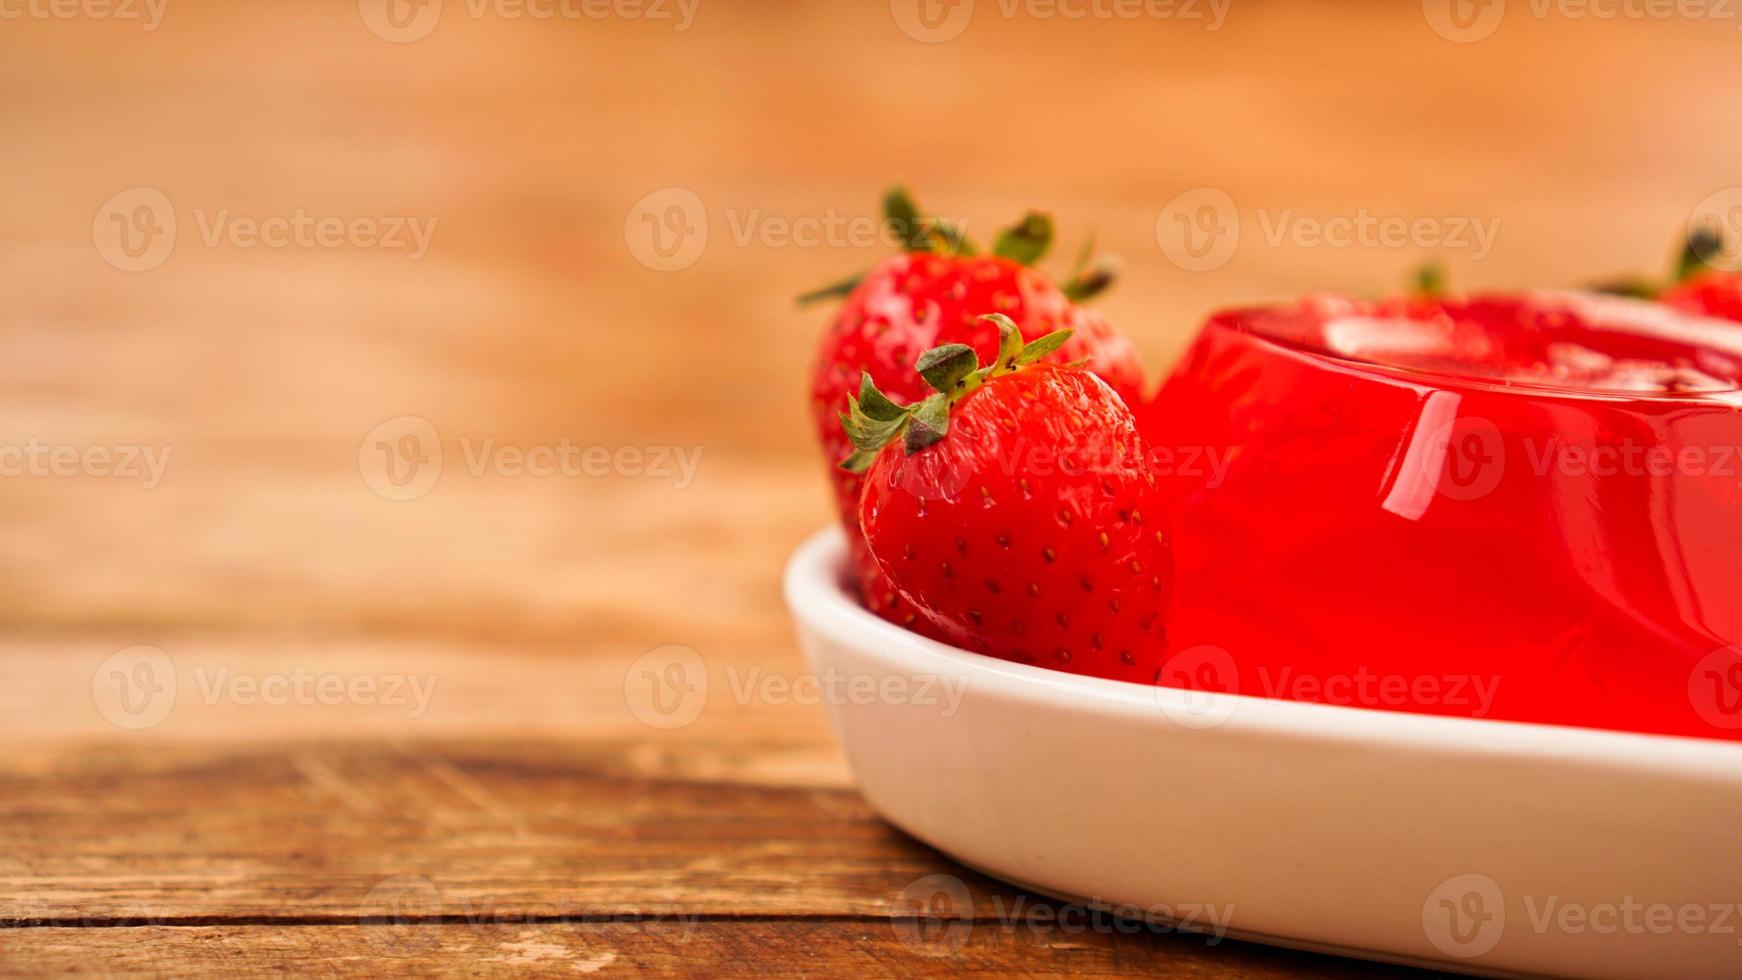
1519, 508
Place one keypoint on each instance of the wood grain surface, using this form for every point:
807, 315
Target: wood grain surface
505, 808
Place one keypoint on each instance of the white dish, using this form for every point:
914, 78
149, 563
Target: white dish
1480, 846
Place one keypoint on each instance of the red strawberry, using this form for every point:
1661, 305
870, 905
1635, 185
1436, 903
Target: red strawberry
1715, 294
1694, 285
1015, 512
930, 296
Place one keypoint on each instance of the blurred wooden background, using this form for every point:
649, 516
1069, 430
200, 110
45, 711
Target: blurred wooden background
529, 148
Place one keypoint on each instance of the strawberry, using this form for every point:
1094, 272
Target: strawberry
1714, 294
929, 296
1014, 510
1694, 285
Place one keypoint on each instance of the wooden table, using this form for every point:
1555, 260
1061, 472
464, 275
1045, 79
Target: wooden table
294, 803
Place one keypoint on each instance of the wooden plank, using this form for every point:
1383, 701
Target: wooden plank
712, 948
122, 829
351, 856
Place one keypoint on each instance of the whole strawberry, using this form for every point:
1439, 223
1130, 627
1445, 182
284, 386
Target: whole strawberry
1014, 510
930, 295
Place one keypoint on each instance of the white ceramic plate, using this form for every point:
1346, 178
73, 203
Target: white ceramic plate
1481, 846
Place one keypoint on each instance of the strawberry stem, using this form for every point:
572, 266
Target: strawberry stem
873, 421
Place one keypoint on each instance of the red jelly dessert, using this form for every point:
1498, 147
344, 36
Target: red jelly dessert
1511, 507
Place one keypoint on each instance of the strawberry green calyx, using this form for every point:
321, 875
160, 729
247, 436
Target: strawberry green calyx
1702, 244
915, 231
1027, 242
1429, 280
919, 232
1092, 274
873, 421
